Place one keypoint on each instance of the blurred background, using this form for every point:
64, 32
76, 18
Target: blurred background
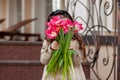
22, 26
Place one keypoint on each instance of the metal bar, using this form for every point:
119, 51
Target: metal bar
118, 48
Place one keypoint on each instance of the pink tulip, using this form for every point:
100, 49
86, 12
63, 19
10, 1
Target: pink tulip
50, 34
57, 23
78, 26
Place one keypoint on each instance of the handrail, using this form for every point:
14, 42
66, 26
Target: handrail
2, 20
14, 27
25, 35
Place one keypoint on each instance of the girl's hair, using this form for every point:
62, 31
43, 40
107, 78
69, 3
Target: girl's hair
60, 12
65, 14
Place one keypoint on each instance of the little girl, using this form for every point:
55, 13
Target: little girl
76, 44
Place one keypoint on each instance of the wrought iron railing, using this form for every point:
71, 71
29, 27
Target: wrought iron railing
95, 32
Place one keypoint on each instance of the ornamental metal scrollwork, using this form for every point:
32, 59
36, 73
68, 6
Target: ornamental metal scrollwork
94, 33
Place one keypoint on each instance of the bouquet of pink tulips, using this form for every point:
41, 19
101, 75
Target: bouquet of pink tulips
62, 30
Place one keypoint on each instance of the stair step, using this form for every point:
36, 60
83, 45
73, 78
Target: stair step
20, 61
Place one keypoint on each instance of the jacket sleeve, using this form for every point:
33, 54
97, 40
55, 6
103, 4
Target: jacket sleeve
78, 56
46, 53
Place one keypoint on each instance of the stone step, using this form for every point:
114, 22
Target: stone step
21, 61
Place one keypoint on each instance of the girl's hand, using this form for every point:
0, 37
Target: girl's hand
54, 45
74, 45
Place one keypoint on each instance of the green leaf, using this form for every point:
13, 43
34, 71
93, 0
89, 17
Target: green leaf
53, 60
60, 63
